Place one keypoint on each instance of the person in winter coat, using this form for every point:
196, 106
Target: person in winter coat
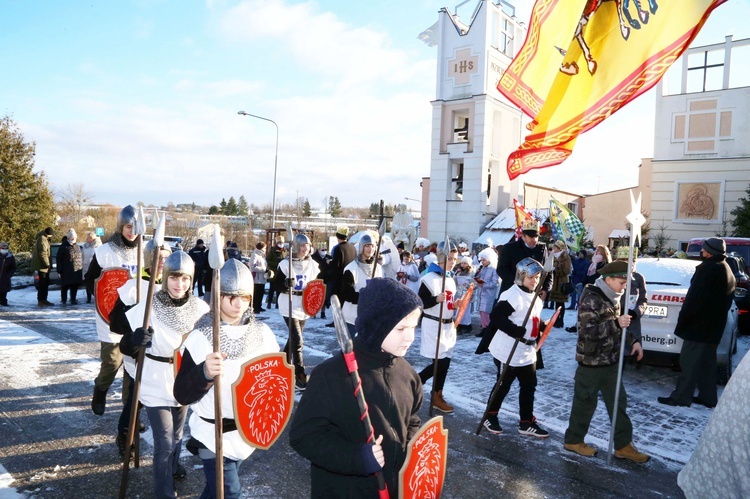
274, 256
700, 324
408, 272
175, 312
7, 269
580, 267
487, 280
507, 319
41, 262
560, 276
327, 428
600, 325
70, 267
637, 303
87, 252
242, 338
718, 466
525, 247
259, 269
199, 254
601, 257
342, 255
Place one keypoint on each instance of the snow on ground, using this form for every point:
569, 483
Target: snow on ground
667, 433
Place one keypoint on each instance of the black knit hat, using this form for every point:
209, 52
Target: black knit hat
48, 231
714, 246
383, 303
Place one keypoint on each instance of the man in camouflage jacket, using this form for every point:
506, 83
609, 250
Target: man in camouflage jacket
600, 326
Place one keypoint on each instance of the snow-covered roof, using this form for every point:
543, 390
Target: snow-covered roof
619, 234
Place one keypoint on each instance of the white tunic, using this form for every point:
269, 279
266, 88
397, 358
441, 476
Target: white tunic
502, 344
107, 258
128, 296
197, 344
157, 378
304, 271
360, 281
429, 329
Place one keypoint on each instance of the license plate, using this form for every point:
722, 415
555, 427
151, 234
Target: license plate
655, 311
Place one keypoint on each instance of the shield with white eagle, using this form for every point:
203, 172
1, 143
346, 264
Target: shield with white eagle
423, 473
263, 397
105, 290
313, 297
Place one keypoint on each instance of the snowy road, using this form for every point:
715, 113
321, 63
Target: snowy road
51, 445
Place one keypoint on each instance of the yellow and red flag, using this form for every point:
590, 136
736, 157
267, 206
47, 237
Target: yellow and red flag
585, 59
521, 214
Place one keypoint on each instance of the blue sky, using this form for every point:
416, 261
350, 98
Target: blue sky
138, 100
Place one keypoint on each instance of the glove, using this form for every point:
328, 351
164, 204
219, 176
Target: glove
142, 337
289, 283
632, 314
516, 332
269, 274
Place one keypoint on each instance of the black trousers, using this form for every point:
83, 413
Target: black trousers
442, 373
293, 346
526, 376
43, 287
698, 363
258, 291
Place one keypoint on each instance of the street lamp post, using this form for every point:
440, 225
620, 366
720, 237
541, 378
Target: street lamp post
275, 163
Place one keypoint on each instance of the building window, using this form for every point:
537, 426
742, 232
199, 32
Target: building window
460, 127
456, 192
702, 126
705, 71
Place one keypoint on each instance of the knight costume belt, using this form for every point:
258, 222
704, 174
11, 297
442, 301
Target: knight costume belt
227, 425
444, 321
166, 360
530, 342
296, 293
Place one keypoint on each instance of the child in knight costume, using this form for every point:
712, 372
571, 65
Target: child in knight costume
175, 312
432, 294
118, 324
327, 427
507, 319
356, 275
120, 251
304, 269
242, 338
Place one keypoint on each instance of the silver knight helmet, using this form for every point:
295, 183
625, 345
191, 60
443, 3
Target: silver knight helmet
365, 239
442, 251
236, 279
126, 216
178, 262
527, 267
298, 241
148, 252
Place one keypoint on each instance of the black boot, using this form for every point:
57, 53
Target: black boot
99, 401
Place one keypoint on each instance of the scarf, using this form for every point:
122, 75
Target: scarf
594, 260
613, 297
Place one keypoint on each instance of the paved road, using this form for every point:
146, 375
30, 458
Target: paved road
54, 447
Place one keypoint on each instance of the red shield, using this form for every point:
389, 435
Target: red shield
263, 397
314, 296
423, 473
105, 290
465, 300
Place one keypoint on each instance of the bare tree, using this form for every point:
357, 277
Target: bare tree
73, 205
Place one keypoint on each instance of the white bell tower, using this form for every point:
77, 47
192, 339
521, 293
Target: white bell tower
474, 128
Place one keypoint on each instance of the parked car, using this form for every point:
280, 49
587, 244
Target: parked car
737, 264
667, 282
739, 245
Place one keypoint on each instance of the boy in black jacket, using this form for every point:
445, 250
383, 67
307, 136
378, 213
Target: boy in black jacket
327, 429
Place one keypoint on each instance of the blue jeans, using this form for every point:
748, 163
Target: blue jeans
166, 427
232, 487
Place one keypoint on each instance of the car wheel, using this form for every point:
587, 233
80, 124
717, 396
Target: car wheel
724, 372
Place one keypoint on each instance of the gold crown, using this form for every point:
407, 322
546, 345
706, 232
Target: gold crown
530, 224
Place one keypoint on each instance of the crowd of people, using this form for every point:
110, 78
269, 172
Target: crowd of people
434, 291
